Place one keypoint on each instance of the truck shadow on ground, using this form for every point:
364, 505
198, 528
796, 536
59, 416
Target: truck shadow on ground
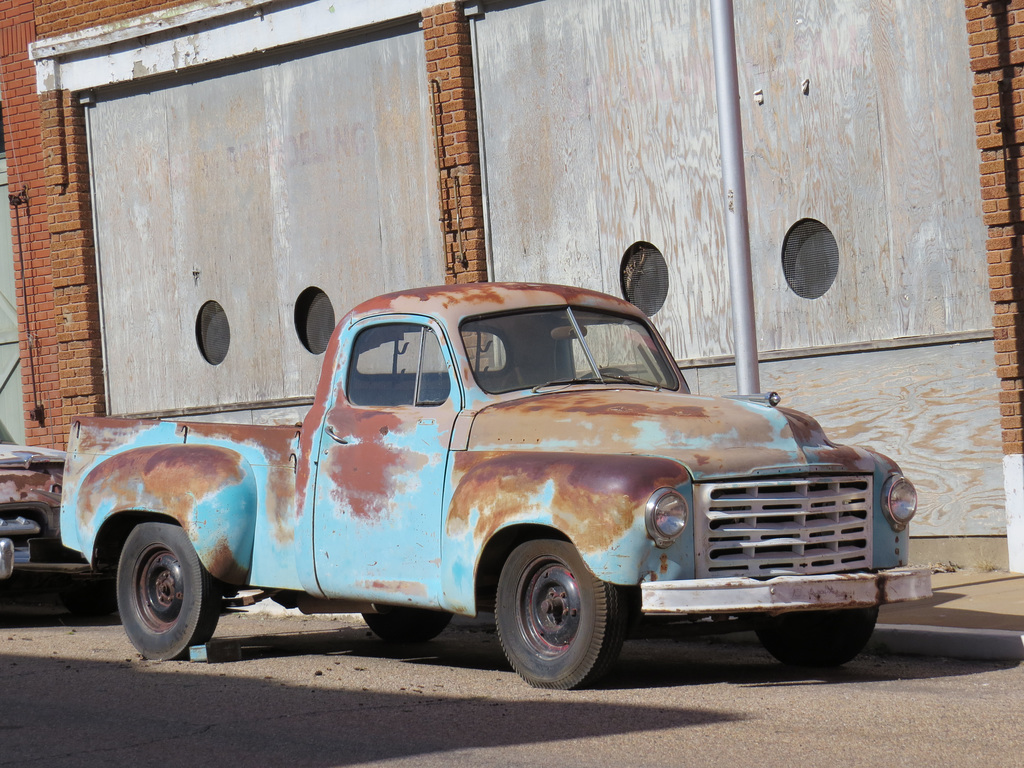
125, 711
25, 615
63, 712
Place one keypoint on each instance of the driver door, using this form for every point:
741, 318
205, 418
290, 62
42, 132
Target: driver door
383, 463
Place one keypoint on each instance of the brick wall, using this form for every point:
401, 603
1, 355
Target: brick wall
59, 17
450, 78
44, 420
72, 254
996, 37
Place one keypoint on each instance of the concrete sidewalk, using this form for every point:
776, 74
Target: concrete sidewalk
972, 615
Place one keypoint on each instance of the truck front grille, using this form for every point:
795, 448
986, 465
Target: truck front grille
763, 527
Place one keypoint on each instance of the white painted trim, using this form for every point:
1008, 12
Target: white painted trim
1013, 480
202, 32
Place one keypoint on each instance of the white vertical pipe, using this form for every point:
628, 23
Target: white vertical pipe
734, 190
1013, 477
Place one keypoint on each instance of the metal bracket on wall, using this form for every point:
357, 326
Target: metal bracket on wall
17, 199
38, 415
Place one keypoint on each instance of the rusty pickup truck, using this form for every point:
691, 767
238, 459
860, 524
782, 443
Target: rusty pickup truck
528, 450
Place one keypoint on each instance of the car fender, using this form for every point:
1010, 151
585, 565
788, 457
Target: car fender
209, 490
596, 501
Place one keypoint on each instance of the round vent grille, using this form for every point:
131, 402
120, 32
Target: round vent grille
314, 319
645, 278
213, 334
810, 258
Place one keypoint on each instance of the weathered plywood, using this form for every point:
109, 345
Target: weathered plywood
658, 172
600, 129
814, 156
246, 186
596, 135
879, 151
930, 167
935, 410
540, 148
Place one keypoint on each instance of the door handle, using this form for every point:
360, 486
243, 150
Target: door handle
333, 434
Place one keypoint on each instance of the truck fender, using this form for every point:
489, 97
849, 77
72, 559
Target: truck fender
596, 501
209, 490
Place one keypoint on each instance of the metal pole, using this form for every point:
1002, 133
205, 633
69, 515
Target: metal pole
734, 190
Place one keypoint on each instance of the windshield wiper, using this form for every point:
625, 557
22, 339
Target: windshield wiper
629, 380
565, 383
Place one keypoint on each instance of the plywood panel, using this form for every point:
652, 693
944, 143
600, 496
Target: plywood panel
132, 201
600, 129
876, 149
814, 156
659, 177
222, 214
930, 167
596, 134
935, 410
246, 186
536, 115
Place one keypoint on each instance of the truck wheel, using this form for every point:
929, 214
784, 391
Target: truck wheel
96, 598
818, 638
407, 625
559, 625
168, 601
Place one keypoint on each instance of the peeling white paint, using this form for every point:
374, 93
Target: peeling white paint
199, 33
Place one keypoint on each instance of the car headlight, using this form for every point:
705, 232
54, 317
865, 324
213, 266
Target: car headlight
899, 501
666, 517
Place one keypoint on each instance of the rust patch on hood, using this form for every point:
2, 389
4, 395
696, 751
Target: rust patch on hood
594, 499
710, 435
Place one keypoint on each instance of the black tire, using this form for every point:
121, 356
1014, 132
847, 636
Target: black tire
95, 598
818, 638
168, 601
559, 625
407, 625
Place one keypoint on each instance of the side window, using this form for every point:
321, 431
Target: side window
398, 364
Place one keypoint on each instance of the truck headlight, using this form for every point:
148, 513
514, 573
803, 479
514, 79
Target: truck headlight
666, 516
899, 501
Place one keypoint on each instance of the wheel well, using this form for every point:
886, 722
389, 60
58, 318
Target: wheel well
496, 552
112, 536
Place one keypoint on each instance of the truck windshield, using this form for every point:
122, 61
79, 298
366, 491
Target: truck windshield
550, 347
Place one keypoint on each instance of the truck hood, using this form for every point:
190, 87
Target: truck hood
712, 436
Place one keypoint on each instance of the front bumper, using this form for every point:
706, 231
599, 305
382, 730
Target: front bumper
785, 593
